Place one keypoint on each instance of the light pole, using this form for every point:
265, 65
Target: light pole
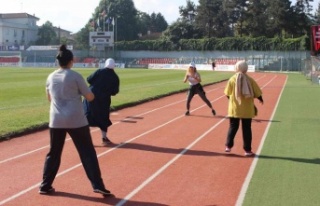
115, 30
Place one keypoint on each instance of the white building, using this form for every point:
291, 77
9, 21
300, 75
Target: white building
17, 30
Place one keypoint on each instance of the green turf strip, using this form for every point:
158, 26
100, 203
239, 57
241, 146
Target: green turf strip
287, 172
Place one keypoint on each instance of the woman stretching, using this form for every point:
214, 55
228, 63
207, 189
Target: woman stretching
194, 79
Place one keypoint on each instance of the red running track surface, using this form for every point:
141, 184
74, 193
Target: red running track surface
160, 157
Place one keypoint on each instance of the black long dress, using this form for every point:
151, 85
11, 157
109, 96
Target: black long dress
104, 83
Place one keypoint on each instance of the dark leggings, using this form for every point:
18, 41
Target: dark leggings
246, 132
197, 89
82, 140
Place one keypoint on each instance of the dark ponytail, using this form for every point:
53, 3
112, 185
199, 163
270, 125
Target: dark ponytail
64, 56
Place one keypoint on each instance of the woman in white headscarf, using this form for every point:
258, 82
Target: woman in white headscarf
241, 91
104, 83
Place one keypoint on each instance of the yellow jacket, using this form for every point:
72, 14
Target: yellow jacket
246, 109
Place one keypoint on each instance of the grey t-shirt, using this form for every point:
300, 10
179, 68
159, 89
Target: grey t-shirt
66, 87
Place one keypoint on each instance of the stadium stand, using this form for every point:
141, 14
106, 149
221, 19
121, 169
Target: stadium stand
9, 59
226, 61
156, 61
43, 59
199, 60
89, 60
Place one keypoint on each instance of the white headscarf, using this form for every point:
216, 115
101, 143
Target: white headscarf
243, 84
110, 64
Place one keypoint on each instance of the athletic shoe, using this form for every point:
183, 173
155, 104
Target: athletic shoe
45, 192
106, 141
228, 149
249, 154
213, 112
102, 191
187, 113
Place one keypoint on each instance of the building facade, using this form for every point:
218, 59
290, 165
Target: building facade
17, 30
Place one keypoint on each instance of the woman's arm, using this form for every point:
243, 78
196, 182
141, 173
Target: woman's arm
185, 78
91, 78
89, 96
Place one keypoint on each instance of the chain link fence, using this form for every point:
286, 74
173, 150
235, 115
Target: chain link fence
313, 70
279, 61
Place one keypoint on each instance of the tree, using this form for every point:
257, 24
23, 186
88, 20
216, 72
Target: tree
212, 18
317, 15
279, 18
144, 23
120, 15
185, 26
47, 35
255, 20
206, 10
188, 12
181, 30
82, 38
158, 22
237, 15
301, 18
153, 23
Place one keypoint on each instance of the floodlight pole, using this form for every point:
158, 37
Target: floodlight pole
115, 26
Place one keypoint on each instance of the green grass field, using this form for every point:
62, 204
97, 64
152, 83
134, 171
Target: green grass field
24, 107
287, 172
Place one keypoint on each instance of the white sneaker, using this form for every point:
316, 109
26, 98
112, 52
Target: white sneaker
228, 149
249, 154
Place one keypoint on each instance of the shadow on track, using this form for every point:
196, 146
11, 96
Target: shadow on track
107, 200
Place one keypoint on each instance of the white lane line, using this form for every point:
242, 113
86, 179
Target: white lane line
96, 129
91, 131
24, 154
164, 167
246, 183
157, 173
35, 186
101, 154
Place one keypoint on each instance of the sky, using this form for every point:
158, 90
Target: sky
72, 15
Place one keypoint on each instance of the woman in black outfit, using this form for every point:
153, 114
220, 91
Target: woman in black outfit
104, 83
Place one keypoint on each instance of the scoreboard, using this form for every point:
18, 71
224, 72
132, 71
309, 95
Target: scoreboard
102, 38
315, 40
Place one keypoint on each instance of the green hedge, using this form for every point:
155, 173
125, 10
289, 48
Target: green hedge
222, 44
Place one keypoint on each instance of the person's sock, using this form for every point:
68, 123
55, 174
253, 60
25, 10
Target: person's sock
104, 134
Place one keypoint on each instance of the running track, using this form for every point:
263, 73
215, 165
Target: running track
161, 157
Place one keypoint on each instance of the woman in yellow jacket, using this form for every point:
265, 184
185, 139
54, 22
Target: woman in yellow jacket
241, 91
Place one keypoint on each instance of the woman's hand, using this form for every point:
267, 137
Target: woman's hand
89, 96
260, 99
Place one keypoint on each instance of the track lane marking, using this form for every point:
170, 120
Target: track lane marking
103, 153
96, 129
158, 172
164, 167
